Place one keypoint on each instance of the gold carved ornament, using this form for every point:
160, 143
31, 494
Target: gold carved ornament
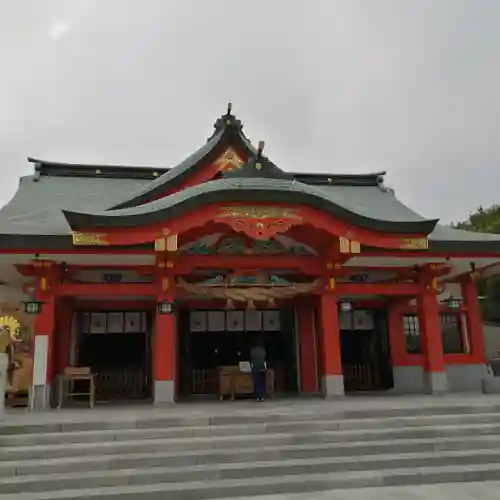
248, 293
89, 239
260, 223
229, 160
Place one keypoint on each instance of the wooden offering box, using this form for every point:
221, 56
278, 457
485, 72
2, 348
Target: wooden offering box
233, 382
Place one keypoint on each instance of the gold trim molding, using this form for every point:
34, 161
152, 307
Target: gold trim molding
414, 244
256, 212
89, 239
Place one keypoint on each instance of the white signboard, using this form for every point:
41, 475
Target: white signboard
271, 321
235, 321
356, 320
198, 321
253, 321
40, 359
216, 321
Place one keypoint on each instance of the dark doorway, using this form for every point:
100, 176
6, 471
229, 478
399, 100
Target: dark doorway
211, 339
366, 358
116, 346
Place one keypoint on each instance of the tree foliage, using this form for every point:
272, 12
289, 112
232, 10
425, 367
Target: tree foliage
482, 220
486, 221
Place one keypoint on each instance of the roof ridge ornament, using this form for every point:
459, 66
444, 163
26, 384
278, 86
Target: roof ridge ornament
227, 120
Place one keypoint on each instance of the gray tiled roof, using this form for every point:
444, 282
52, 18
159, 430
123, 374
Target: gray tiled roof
37, 204
394, 217
37, 207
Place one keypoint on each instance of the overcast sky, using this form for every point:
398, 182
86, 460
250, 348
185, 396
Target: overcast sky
407, 86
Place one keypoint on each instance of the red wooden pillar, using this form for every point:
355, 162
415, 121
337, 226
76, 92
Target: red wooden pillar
307, 343
164, 354
474, 321
432, 342
43, 351
62, 338
332, 376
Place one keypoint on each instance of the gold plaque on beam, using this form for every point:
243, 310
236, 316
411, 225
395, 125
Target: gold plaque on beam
414, 244
172, 243
160, 245
89, 239
345, 246
355, 247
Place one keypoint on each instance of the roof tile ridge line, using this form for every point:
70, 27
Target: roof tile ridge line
39, 162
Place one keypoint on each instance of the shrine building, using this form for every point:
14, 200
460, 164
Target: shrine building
158, 280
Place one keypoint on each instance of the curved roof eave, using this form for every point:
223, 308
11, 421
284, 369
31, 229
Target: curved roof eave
174, 177
240, 190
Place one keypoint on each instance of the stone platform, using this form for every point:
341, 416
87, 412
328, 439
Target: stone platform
354, 447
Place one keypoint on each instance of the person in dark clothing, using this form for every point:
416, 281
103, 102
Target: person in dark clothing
259, 370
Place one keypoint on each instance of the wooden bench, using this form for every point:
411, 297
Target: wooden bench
71, 375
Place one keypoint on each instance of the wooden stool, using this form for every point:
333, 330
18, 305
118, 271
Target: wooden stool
72, 374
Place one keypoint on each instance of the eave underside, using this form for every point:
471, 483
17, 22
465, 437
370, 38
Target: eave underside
21, 244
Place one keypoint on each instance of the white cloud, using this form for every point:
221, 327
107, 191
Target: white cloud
59, 29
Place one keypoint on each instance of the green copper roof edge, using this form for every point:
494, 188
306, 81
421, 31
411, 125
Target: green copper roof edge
222, 193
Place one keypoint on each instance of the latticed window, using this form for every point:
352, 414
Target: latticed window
411, 328
451, 330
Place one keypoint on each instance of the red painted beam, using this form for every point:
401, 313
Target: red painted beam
210, 212
406, 289
107, 289
308, 265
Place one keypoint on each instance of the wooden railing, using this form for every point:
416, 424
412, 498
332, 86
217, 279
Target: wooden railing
204, 382
358, 377
121, 384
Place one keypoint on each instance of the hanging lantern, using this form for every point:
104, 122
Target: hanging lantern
165, 307
251, 305
345, 306
453, 302
33, 307
229, 304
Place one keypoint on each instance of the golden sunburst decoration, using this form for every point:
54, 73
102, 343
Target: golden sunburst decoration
9, 331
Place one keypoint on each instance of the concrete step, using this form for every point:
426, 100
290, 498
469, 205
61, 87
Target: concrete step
242, 415
298, 483
12, 468
260, 469
242, 441
132, 434
249, 452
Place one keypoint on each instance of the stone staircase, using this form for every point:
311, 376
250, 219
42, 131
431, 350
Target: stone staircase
249, 454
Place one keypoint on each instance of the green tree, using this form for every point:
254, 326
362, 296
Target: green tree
486, 221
